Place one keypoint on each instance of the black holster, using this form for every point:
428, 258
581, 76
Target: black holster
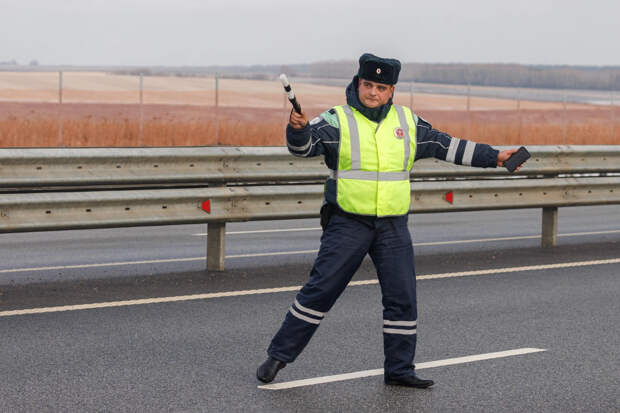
327, 211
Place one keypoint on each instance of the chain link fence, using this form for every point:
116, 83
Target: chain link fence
48, 109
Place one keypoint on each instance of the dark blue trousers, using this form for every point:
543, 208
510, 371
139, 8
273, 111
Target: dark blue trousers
344, 244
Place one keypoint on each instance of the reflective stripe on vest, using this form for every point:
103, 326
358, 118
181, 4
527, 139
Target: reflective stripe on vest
356, 153
405, 126
370, 175
374, 157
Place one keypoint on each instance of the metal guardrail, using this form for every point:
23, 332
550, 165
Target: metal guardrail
444, 189
100, 209
140, 166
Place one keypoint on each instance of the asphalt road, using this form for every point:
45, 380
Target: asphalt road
200, 354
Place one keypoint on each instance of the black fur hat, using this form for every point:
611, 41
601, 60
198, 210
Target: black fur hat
378, 69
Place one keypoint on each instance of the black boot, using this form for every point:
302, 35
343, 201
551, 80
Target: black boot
267, 371
410, 380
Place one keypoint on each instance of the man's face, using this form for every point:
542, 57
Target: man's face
373, 94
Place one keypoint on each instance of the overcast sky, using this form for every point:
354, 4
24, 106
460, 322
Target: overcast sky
206, 32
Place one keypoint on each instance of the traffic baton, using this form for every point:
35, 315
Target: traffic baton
290, 93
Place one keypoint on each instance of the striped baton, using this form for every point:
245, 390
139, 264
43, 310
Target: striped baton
290, 93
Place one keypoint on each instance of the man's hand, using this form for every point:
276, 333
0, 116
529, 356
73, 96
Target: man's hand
298, 120
504, 155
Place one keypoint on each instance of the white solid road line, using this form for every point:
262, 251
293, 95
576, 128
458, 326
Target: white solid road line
292, 288
269, 254
105, 264
519, 269
471, 241
419, 366
115, 264
261, 231
467, 241
125, 303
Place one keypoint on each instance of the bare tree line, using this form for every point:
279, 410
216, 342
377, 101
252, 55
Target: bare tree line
479, 74
510, 75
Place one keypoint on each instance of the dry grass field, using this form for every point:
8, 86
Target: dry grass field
101, 110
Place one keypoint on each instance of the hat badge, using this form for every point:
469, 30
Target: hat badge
378, 70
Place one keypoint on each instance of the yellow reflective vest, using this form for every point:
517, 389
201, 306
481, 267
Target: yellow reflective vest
374, 162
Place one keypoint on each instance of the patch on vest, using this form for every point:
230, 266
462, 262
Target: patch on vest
399, 133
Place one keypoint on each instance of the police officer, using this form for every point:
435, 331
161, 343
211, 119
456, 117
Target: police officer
369, 145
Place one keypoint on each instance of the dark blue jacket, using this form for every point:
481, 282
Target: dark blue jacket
321, 136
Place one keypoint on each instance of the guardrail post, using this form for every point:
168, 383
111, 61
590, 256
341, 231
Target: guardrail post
216, 245
550, 227
216, 242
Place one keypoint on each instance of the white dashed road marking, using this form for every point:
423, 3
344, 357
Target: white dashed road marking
419, 366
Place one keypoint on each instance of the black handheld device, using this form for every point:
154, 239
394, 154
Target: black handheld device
517, 159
